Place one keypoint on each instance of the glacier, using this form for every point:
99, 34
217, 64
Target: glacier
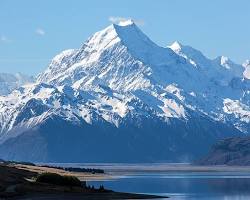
122, 98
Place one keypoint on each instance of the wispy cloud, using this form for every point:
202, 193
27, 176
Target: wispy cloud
117, 19
40, 31
4, 39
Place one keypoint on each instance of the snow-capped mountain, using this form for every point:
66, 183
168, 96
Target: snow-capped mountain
10, 82
246, 65
122, 98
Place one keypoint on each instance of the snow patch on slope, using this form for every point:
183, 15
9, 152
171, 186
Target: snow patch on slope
119, 73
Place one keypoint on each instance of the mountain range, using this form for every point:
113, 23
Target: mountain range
122, 98
10, 82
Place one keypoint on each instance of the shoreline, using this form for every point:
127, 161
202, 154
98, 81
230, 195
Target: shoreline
114, 168
19, 181
30, 189
82, 176
89, 196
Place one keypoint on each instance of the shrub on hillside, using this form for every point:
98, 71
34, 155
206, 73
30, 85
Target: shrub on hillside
57, 179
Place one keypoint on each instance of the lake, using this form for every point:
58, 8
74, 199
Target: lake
177, 181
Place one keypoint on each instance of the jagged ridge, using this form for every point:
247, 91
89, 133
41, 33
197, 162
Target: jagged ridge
130, 93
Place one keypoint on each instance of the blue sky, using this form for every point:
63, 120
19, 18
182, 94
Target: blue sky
33, 32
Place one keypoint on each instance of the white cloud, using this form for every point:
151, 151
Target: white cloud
4, 39
116, 20
40, 32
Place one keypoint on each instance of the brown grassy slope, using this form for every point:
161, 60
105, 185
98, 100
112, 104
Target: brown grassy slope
16, 183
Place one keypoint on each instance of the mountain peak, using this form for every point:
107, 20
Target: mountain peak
176, 46
228, 63
126, 22
223, 61
246, 64
224, 58
119, 82
130, 36
116, 41
123, 31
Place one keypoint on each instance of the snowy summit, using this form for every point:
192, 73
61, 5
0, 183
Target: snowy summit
126, 22
149, 103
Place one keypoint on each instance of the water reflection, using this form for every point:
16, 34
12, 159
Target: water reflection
231, 185
194, 186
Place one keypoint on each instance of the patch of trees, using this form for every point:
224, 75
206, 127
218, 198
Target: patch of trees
77, 169
100, 189
89, 170
56, 179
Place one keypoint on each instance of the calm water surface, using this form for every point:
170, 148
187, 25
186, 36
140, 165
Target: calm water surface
182, 185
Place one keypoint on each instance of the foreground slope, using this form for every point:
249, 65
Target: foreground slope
26, 181
122, 98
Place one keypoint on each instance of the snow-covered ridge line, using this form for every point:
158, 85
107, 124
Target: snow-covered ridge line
120, 78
